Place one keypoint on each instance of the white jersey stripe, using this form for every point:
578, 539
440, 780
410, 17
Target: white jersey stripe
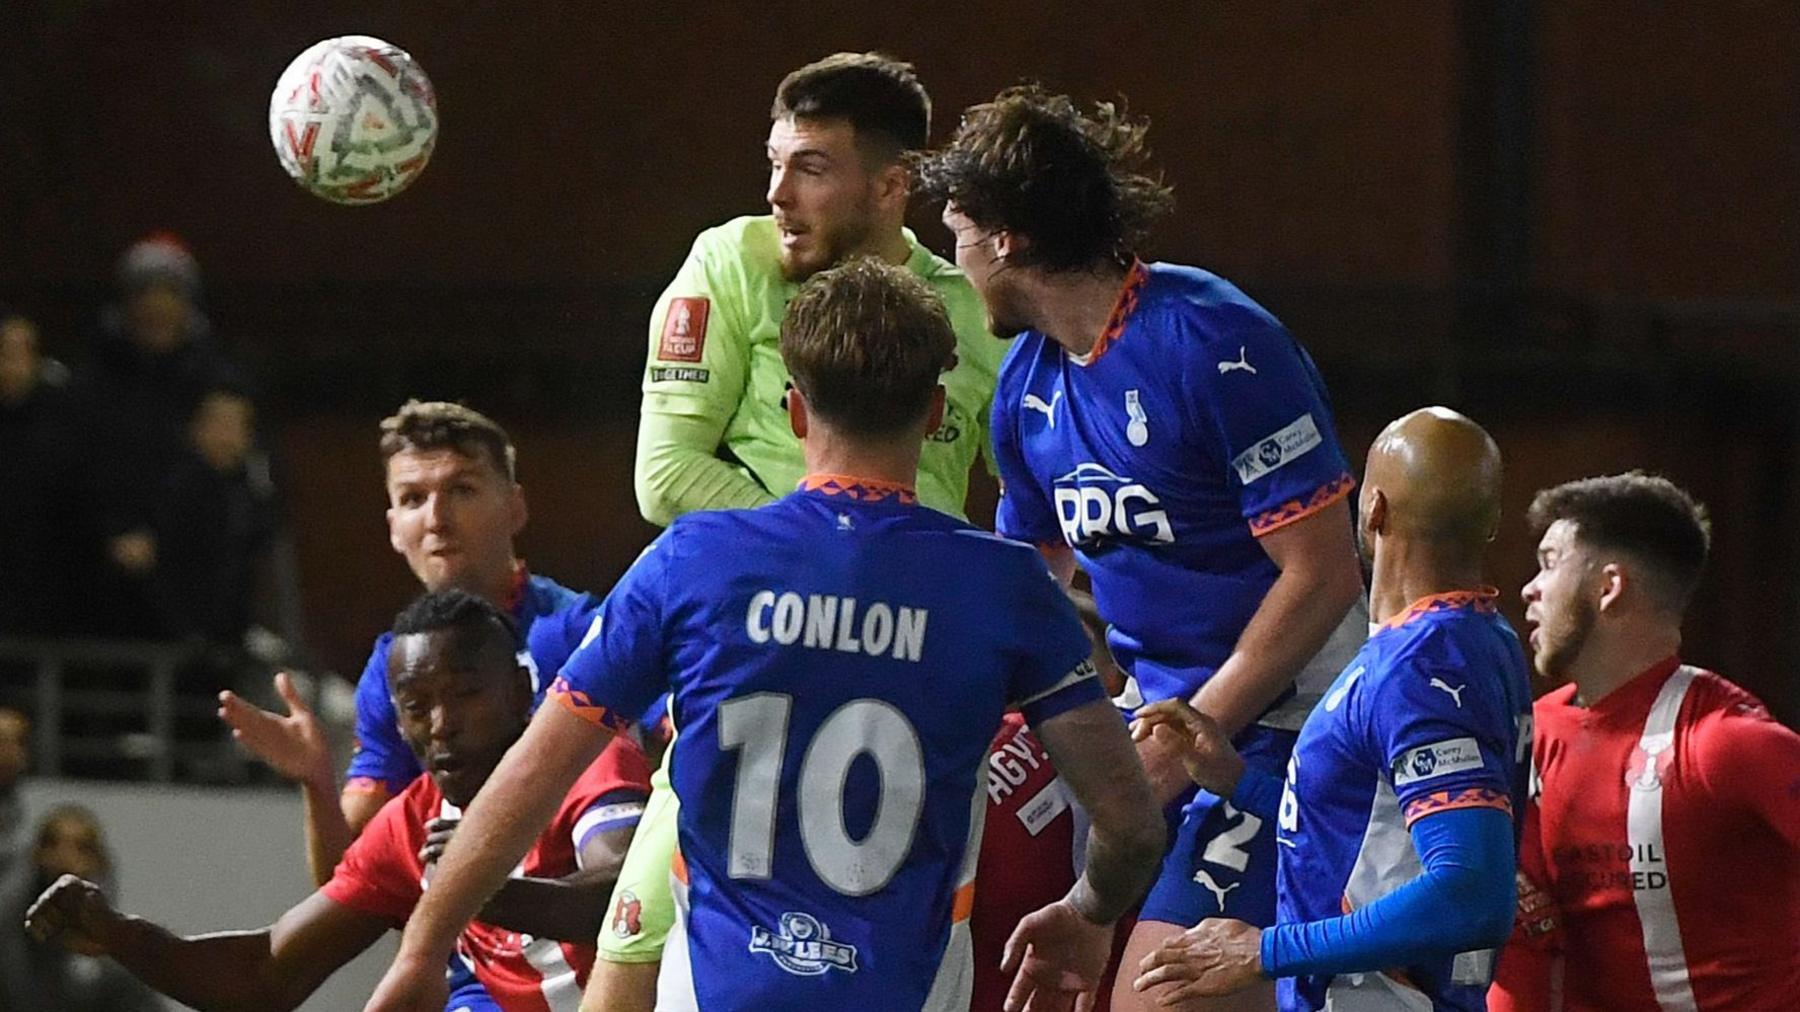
559, 988
1644, 831
675, 978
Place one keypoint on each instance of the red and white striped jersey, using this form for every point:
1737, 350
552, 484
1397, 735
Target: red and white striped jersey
381, 874
1661, 862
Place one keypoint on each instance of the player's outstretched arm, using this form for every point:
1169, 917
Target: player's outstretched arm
569, 909
1463, 901
295, 747
1062, 949
508, 813
272, 968
1320, 579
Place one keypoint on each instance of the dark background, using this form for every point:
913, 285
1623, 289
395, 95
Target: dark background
1576, 222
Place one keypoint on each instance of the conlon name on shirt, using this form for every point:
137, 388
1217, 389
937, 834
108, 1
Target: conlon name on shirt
830, 622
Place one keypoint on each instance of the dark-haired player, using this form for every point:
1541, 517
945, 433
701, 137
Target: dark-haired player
837, 697
1154, 422
713, 430
463, 700
1661, 860
454, 507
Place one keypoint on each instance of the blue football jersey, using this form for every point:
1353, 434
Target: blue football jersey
553, 619
1196, 425
839, 662
1433, 714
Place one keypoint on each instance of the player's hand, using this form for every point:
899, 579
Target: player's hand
1197, 739
1057, 957
293, 745
74, 914
437, 836
411, 985
1218, 956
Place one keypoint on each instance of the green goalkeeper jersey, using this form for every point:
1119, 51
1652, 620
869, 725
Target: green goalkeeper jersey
714, 433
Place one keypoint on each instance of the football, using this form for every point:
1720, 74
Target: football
353, 119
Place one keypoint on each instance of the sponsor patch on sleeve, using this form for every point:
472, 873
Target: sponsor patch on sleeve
1430, 761
684, 330
679, 373
1277, 449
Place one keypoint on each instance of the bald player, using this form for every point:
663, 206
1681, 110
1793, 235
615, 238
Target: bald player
1395, 878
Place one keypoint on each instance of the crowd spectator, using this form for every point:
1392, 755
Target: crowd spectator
41, 496
153, 359
38, 976
214, 518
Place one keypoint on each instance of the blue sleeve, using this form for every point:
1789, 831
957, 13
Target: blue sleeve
1436, 726
1051, 670
619, 671
1023, 513
554, 638
382, 757
1463, 901
1273, 424
1258, 792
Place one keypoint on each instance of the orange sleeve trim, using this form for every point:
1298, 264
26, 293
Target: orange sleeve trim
583, 706
1296, 510
1446, 801
678, 867
366, 785
963, 904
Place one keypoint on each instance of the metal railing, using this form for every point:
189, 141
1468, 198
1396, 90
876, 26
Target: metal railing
56, 706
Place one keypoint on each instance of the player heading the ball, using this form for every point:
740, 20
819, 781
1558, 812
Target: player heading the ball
829, 797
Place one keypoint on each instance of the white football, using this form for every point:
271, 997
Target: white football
353, 119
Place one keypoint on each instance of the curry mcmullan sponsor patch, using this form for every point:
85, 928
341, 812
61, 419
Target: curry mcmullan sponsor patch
1429, 761
1273, 451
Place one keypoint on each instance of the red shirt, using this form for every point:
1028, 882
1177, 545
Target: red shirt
1661, 860
381, 874
1027, 852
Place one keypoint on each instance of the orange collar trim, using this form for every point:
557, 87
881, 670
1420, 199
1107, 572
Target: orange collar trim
1485, 600
859, 489
1136, 277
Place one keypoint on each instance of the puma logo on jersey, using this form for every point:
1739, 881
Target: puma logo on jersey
1456, 693
1036, 403
1243, 362
1205, 880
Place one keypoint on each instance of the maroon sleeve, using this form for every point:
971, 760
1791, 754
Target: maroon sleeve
379, 874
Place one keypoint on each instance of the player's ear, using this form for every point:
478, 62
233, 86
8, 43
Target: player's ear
1007, 243
1614, 581
394, 532
796, 409
934, 415
893, 186
1374, 517
515, 508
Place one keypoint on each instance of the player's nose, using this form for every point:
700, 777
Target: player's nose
780, 190
437, 511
